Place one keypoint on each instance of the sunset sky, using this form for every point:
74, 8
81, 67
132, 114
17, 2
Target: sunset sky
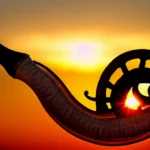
76, 39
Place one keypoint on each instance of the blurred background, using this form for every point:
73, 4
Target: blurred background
76, 39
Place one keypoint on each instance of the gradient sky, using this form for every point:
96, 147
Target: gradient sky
51, 31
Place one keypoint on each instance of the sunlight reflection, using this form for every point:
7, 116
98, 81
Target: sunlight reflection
131, 102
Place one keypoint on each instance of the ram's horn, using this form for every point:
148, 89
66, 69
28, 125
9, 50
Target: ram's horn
61, 106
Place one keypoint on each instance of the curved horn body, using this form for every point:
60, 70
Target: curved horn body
61, 106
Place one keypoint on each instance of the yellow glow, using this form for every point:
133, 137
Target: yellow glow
83, 56
77, 53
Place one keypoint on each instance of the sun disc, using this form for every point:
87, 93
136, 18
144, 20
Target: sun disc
85, 54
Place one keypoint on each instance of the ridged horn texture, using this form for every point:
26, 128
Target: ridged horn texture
61, 106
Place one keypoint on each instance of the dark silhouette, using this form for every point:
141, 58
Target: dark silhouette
130, 79
75, 118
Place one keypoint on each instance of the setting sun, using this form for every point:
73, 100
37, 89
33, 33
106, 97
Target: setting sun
85, 54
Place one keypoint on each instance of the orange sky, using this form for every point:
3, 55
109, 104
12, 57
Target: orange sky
54, 32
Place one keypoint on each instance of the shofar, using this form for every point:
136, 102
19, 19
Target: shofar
61, 106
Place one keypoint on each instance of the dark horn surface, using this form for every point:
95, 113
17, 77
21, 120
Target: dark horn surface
59, 105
